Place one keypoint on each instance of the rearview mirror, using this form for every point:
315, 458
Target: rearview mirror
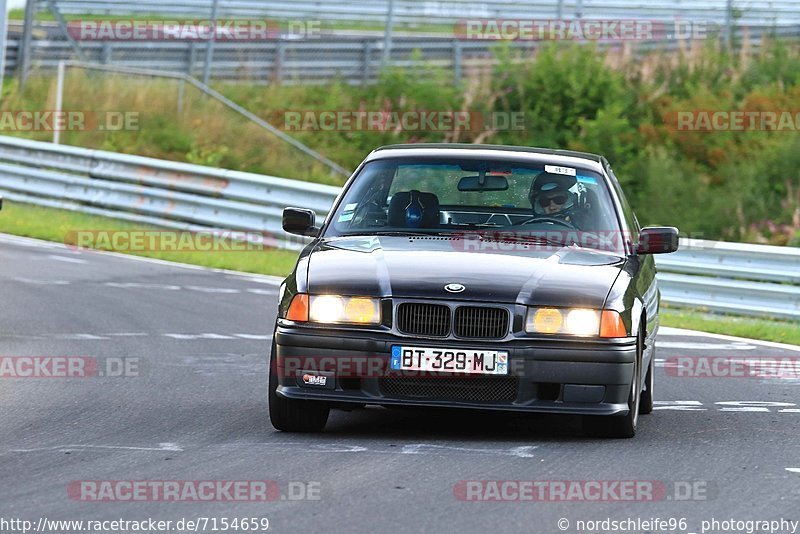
299, 221
490, 183
658, 240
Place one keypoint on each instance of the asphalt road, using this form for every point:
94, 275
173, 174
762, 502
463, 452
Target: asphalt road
193, 408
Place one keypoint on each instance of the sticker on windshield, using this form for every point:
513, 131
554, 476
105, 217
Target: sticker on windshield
587, 180
344, 217
351, 207
555, 169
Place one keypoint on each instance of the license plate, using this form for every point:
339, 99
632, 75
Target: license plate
471, 361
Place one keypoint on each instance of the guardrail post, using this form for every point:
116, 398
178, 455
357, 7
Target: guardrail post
210, 44
457, 53
368, 46
280, 58
62, 67
729, 24
181, 90
106, 57
3, 42
24, 50
387, 35
192, 58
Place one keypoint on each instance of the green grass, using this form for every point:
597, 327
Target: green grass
763, 329
56, 225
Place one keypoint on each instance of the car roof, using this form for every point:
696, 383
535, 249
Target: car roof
519, 153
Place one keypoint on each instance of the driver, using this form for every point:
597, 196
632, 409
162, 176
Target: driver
550, 196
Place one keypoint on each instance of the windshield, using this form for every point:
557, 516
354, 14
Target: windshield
489, 197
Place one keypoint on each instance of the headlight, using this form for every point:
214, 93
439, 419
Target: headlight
335, 309
570, 321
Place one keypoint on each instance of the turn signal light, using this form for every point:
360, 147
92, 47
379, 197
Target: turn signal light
298, 309
611, 324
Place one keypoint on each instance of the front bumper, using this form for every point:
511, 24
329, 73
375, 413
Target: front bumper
556, 376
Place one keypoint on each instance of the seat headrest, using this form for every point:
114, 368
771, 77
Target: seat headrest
400, 202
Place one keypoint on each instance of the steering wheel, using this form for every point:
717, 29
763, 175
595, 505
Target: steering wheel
551, 220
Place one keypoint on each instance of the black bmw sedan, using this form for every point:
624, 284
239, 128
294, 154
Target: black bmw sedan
471, 276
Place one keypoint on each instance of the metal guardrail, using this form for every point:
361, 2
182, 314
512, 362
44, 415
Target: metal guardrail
425, 12
355, 60
724, 277
748, 279
153, 191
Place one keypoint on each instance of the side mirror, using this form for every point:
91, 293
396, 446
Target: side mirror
657, 240
299, 221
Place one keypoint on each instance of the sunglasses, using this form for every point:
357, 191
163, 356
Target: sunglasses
559, 199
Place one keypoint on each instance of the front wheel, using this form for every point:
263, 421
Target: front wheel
610, 426
291, 415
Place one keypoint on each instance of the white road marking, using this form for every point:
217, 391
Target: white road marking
127, 334
199, 336
525, 451
66, 259
261, 291
137, 285
213, 289
79, 336
172, 287
688, 345
681, 332
161, 447
681, 406
30, 242
421, 448
793, 469
272, 280
335, 447
42, 282
106, 336
727, 406
40, 243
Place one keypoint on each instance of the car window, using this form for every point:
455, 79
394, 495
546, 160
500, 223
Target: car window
443, 180
446, 195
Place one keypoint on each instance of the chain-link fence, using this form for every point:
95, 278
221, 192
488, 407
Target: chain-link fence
316, 42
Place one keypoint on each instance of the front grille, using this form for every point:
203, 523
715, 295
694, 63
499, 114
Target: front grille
480, 322
423, 319
475, 388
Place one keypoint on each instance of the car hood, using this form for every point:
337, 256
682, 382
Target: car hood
421, 267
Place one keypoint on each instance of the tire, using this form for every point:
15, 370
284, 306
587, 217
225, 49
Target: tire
292, 415
646, 402
621, 427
